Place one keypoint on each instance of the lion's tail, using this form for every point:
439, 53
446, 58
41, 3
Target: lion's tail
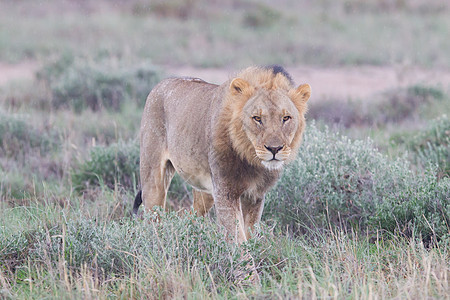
137, 202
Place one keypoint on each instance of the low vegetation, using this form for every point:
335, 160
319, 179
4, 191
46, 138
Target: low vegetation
117, 164
350, 185
391, 107
81, 84
18, 138
432, 145
66, 254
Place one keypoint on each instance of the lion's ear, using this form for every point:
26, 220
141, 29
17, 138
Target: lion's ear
240, 87
301, 94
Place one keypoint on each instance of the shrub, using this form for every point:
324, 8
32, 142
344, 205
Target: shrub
349, 184
401, 104
335, 111
432, 145
421, 209
119, 164
394, 107
109, 165
79, 84
260, 15
17, 137
169, 8
15, 249
15, 186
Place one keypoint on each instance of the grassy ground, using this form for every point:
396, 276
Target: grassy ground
370, 221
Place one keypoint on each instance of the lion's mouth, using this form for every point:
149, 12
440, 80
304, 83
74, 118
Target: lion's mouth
273, 164
272, 160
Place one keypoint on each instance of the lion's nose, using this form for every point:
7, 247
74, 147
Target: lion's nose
274, 150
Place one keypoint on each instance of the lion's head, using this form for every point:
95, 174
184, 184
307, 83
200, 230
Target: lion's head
266, 116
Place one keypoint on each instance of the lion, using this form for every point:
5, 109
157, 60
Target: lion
229, 142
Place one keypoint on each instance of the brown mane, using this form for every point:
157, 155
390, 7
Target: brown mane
261, 77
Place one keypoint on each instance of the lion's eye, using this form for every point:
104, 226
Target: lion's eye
257, 119
286, 118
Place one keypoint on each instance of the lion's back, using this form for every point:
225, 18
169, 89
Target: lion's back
178, 114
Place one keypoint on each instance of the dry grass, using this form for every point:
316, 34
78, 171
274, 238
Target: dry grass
329, 265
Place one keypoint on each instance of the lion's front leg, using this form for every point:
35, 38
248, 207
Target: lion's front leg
229, 215
252, 208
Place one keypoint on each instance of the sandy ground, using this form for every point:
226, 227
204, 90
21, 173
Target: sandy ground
15, 72
337, 83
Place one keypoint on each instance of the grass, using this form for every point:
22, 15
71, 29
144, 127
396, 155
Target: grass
350, 218
66, 254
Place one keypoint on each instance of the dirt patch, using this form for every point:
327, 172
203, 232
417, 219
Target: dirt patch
15, 72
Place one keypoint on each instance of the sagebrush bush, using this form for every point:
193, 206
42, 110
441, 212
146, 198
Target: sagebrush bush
432, 145
170, 8
261, 15
394, 107
118, 164
401, 104
102, 84
14, 185
109, 165
350, 184
422, 209
334, 181
17, 137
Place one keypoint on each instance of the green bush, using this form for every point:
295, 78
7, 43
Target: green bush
422, 209
350, 184
261, 15
394, 107
18, 138
109, 165
334, 181
81, 84
14, 185
169, 8
402, 104
432, 145
119, 164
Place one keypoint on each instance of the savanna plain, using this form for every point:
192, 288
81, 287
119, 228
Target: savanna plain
362, 213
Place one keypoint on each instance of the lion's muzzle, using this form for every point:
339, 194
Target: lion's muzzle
273, 157
274, 150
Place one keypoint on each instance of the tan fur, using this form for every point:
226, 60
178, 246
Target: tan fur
228, 141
